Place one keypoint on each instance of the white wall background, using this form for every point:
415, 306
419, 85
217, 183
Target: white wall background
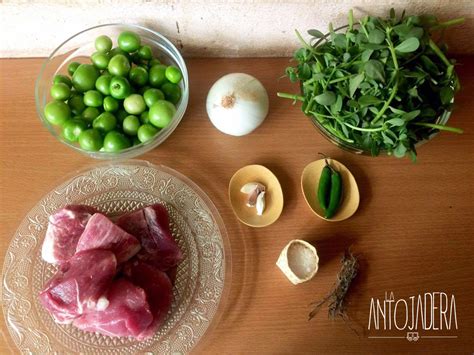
208, 28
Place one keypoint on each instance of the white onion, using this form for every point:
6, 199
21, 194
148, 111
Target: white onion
237, 104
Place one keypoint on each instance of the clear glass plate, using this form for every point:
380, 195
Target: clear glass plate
116, 188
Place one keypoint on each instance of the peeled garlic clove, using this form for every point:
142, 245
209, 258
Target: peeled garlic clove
298, 261
260, 204
249, 187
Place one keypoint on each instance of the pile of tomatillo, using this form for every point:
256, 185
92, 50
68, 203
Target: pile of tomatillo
124, 98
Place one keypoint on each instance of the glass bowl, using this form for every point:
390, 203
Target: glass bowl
79, 48
352, 147
202, 281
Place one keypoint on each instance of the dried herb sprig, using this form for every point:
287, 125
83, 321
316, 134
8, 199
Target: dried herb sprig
336, 298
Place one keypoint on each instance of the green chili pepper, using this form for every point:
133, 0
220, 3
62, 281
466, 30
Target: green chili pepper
336, 194
324, 188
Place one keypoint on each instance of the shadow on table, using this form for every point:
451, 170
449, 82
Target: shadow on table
334, 246
330, 247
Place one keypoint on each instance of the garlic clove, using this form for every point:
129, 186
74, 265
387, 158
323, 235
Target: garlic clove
252, 189
249, 187
260, 204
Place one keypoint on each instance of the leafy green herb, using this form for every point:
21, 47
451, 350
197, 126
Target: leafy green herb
381, 85
326, 98
409, 45
315, 33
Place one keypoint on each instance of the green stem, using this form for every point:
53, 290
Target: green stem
334, 132
387, 103
392, 49
328, 116
441, 56
328, 34
440, 127
374, 129
351, 19
309, 81
337, 119
308, 106
349, 64
303, 42
290, 96
453, 22
342, 79
328, 81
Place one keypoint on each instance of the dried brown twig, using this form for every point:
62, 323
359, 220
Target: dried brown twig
336, 307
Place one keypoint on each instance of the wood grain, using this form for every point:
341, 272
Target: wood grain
413, 230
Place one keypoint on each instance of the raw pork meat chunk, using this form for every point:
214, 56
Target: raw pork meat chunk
64, 229
78, 284
125, 312
158, 291
102, 233
151, 226
134, 223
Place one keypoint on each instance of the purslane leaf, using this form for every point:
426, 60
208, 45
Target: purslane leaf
402, 29
409, 45
315, 33
410, 115
340, 40
366, 55
367, 100
376, 36
354, 83
446, 94
326, 98
396, 122
396, 110
387, 139
337, 106
415, 32
400, 150
375, 70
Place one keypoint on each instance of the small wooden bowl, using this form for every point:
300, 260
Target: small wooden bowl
273, 196
350, 191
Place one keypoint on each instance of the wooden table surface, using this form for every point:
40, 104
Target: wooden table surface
413, 230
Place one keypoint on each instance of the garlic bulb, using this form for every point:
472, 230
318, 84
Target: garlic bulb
237, 104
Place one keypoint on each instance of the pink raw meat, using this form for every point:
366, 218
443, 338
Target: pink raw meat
64, 229
134, 223
125, 313
151, 226
78, 284
102, 233
158, 291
